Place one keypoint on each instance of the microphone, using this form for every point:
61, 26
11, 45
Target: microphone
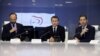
20, 34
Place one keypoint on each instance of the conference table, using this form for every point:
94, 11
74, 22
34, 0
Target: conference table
48, 49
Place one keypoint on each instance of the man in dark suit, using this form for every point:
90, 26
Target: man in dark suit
84, 32
12, 29
55, 32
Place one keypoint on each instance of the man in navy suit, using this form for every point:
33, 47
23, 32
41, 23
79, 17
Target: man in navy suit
55, 32
12, 29
84, 32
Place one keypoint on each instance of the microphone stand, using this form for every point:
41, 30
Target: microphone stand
20, 34
45, 34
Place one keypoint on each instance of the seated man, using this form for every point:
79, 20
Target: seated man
12, 29
55, 32
84, 32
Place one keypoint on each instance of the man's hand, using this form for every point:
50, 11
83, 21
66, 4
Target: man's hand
77, 39
84, 31
13, 30
51, 39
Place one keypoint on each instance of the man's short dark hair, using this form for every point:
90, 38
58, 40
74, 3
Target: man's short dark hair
12, 14
55, 17
83, 16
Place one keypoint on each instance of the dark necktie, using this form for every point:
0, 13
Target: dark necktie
54, 30
83, 29
13, 25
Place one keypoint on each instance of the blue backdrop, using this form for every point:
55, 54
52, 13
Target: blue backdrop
67, 10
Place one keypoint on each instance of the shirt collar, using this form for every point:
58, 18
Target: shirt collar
54, 27
84, 26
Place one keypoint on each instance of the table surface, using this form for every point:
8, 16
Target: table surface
49, 49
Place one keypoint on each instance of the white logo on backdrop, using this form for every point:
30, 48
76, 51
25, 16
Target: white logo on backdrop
35, 19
